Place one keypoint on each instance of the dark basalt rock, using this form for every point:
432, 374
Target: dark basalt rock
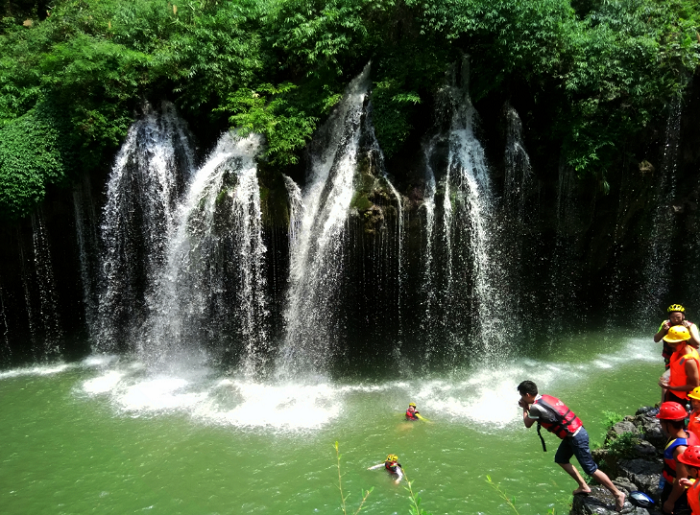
601, 502
637, 468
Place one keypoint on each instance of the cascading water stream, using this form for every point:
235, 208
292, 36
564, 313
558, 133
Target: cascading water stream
468, 224
657, 273
316, 265
518, 168
86, 237
48, 302
428, 274
296, 211
147, 176
212, 284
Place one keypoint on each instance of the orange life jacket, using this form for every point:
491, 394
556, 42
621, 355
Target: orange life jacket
566, 422
669, 472
694, 422
693, 500
411, 413
678, 374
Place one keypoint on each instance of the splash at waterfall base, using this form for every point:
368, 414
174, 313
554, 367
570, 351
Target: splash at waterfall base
105, 433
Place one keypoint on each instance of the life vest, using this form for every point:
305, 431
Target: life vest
669, 472
678, 374
411, 413
693, 500
566, 423
694, 423
391, 466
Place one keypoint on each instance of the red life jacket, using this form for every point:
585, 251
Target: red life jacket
411, 413
669, 472
391, 466
566, 422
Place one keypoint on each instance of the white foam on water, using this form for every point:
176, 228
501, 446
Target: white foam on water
159, 394
100, 360
44, 370
104, 383
485, 397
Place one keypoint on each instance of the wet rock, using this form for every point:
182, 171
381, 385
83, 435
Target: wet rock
620, 429
625, 485
645, 450
644, 473
601, 502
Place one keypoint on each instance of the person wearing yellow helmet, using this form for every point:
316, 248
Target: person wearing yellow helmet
412, 413
694, 419
676, 316
684, 372
392, 466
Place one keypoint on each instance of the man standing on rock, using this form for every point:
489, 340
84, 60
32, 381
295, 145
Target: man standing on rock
552, 414
672, 417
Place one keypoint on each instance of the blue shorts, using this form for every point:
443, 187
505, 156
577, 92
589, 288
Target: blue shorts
576, 446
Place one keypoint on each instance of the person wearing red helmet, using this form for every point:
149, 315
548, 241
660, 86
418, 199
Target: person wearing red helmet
691, 459
684, 375
672, 417
552, 414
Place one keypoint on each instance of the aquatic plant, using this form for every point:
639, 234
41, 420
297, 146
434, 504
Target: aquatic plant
343, 497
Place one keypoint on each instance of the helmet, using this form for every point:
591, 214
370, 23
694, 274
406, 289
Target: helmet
695, 394
671, 411
691, 456
677, 333
675, 307
392, 457
412, 404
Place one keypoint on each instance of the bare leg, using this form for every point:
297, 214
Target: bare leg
604, 480
583, 487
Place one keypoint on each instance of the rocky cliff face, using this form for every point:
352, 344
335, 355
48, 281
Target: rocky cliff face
632, 457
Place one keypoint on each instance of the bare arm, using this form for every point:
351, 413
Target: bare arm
526, 418
662, 332
373, 467
399, 473
694, 335
678, 488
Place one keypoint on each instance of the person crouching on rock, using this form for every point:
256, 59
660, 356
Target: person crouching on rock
392, 466
672, 416
691, 459
683, 371
552, 414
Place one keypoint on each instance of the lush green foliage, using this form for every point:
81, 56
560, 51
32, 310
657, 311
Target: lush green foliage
598, 72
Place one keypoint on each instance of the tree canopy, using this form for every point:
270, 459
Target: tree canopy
73, 74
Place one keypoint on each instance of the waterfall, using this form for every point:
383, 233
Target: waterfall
657, 271
316, 265
144, 184
296, 211
7, 350
428, 281
46, 284
86, 236
517, 166
472, 274
212, 286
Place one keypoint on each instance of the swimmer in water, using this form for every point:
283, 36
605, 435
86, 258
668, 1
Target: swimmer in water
392, 466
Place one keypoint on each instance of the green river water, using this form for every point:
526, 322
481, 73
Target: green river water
106, 436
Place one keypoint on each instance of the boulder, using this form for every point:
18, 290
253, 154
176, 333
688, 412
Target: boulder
621, 428
643, 473
601, 502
